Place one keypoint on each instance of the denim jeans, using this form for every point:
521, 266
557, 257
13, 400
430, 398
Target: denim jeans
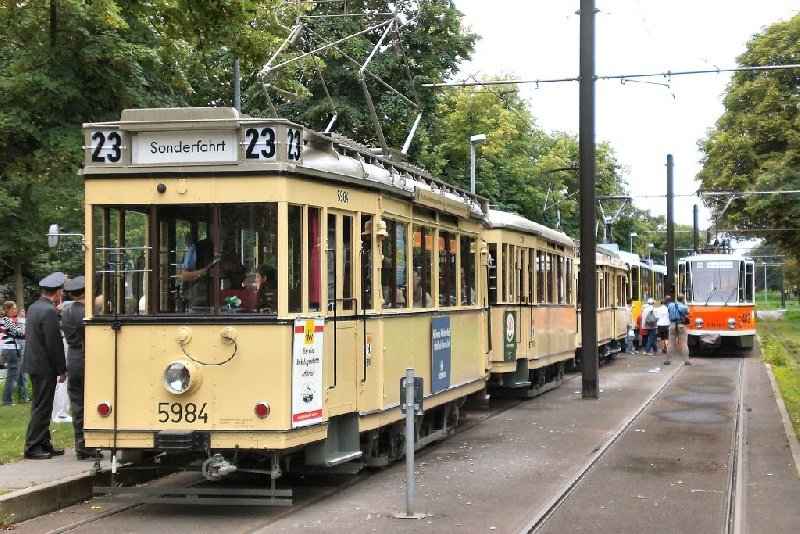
13, 360
651, 341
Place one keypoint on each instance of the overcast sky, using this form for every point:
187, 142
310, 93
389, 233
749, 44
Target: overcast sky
538, 39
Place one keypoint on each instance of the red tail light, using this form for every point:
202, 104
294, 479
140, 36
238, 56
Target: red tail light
262, 410
104, 408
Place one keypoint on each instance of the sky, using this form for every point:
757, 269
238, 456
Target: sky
539, 39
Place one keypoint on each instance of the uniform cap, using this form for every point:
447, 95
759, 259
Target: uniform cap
650, 301
52, 281
75, 284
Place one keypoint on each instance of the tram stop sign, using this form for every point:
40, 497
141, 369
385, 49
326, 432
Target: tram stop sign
418, 383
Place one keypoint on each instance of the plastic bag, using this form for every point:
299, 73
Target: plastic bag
61, 404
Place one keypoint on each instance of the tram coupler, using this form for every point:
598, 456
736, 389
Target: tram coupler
217, 467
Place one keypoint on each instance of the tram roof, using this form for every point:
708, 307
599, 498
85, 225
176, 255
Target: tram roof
327, 155
715, 257
633, 260
504, 219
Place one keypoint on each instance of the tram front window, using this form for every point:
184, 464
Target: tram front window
715, 281
199, 259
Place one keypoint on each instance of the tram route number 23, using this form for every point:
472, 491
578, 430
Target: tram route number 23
262, 143
176, 412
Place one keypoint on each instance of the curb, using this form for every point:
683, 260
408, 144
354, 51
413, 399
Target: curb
27, 503
788, 429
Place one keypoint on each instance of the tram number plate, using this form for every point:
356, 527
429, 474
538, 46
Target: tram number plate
177, 412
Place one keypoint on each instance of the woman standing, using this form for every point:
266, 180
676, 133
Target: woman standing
14, 335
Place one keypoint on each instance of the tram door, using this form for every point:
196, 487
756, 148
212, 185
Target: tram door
341, 350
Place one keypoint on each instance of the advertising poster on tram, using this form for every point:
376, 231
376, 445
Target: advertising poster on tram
307, 372
440, 354
510, 336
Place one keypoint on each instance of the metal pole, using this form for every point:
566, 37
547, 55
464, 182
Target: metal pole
472, 167
237, 86
765, 283
588, 204
783, 289
696, 229
409, 441
670, 229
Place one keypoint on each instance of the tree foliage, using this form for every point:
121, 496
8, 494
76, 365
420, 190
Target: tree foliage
754, 144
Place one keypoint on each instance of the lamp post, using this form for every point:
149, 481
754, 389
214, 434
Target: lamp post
649, 248
473, 140
632, 234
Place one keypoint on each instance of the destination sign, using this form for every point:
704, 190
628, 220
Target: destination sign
196, 146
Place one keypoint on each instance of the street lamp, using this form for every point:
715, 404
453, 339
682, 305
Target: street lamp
473, 140
649, 248
632, 234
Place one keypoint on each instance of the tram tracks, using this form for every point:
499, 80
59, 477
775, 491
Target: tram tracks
542, 516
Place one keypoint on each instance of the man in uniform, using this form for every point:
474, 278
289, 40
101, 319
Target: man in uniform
72, 325
44, 362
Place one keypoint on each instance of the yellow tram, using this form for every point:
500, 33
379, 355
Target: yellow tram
320, 272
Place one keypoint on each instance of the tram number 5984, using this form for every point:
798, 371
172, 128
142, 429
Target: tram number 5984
176, 412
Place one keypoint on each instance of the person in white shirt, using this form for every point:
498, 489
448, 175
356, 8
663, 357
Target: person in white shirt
662, 314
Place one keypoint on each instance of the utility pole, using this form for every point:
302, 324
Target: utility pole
670, 230
588, 247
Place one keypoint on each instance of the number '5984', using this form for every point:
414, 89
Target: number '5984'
176, 412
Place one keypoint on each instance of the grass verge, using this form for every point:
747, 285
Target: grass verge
14, 425
780, 344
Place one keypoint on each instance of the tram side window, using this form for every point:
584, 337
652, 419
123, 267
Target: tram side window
467, 258
447, 269
492, 278
635, 282
121, 259
560, 279
541, 274
740, 296
749, 282
366, 262
550, 274
294, 274
570, 297
422, 276
393, 269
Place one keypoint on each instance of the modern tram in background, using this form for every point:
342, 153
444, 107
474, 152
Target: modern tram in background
720, 292
320, 270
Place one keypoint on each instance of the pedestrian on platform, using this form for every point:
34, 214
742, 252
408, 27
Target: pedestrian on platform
650, 325
73, 327
662, 316
13, 332
45, 364
631, 330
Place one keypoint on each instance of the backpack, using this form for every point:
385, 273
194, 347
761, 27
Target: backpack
650, 320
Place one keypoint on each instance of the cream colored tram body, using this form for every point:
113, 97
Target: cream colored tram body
612, 283
531, 304
372, 267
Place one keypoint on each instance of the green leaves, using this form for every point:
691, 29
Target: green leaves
754, 143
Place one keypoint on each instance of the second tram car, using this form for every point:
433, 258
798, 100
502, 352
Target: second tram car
720, 293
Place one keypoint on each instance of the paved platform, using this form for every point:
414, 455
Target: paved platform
494, 475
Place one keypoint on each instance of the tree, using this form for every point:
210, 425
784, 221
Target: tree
753, 145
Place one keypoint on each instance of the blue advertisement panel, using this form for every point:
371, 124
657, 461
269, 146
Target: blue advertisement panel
440, 354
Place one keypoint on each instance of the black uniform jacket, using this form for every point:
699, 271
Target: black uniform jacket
44, 348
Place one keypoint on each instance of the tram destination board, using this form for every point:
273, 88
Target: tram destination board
227, 141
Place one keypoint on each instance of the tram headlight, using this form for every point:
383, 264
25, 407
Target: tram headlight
698, 322
182, 376
731, 322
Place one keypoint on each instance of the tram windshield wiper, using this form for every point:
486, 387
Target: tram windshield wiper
733, 292
713, 290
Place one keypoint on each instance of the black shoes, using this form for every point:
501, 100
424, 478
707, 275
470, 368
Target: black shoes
48, 447
88, 454
37, 454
